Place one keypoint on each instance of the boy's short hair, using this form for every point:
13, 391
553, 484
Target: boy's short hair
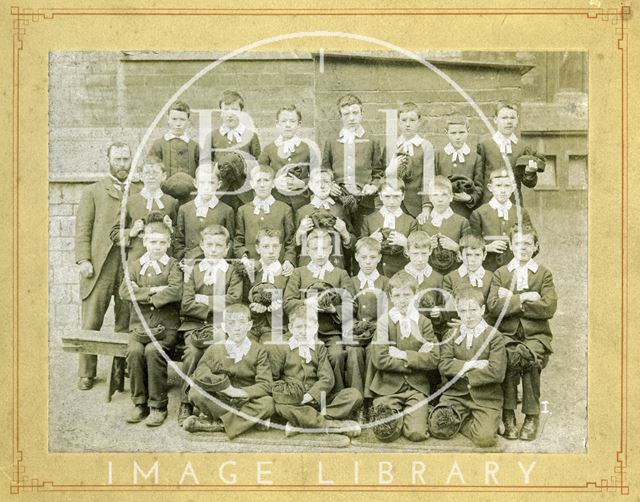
471, 241
117, 144
318, 233
419, 239
457, 120
180, 106
261, 168
524, 229
237, 308
207, 168
268, 232
154, 222
152, 160
393, 183
348, 100
298, 312
289, 108
230, 97
401, 280
506, 104
499, 172
407, 107
214, 229
368, 243
315, 173
470, 293
440, 182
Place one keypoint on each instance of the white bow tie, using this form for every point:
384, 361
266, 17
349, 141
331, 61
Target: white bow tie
202, 208
522, 272
322, 203
211, 270
147, 262
169, 136
151, 198
502, 209
304, 348
237, 352
390, 217
232, 134
505, 143
438, 218
269, 272
405, 321
348, 136
368, 281
468, 335
319, 272
262, 205
406, 146
419, 275
288, 145
457, 155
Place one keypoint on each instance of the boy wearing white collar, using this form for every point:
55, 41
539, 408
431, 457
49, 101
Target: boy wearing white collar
354, 156
417, 156
211, 285
319, 245
139, 205
305, 359
205, 210
474, 360
320, 184
471, 273
289, 150
494, 220
176, 149
457, 158
445, 227
233, 134
401, 362
237, 373
523, 293
505, 143
155, 285
390, 218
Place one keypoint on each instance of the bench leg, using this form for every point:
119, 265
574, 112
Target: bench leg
115, 380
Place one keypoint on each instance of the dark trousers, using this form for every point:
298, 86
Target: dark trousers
414, 424
343, 404
479, 423
530, 382
148, 370
337, 358
96, 304
356, 366
190, 358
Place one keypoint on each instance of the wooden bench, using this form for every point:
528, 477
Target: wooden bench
107, 343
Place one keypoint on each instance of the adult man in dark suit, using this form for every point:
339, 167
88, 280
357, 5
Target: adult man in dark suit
98, 257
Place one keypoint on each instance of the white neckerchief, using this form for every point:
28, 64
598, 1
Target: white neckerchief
503, 209
147, 262
233, 134
457, 155
304, 348
237, 352
288, 145
270, 272
469, 334
406, 321
202, 208
152, 197
418, 275
475, 278
169, 136
264, 205
367, 281
503, 142
438, 218
390, 217
211, 269
522, 272
406, 145
319, 203
347, 135
319, 271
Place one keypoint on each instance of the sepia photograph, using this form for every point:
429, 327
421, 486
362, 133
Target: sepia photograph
326, 251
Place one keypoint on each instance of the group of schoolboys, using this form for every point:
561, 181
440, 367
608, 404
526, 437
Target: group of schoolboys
427, 255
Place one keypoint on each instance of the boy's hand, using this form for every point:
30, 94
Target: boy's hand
331, 309
396, 353
448, 243
134, 286
156, 289
504, 292
341, 227
530, 296
377, 235
249, 264
287, 268
461, 197
275, 305
454, 323
532, 167
258, 308
307, 398
424, 215
426, 347
369, 189
335, 190
86, 269
202, 299
167, 221
234, 392
138, 226
435, 312
397, 239
281, 183
496, 247
295, 183
306, 225
434, 241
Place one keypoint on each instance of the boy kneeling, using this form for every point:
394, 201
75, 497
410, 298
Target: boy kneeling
237, 373
474, 357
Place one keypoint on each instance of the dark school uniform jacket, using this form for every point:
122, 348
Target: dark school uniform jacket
220, 144
454, 282
390, 373
301, 157
453, 227
366, 303
263, 321
472, 168
364, 156
159, 308
248, 224
189, 226
532, 317
177, 156
484, 221
482, 385
137, 210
